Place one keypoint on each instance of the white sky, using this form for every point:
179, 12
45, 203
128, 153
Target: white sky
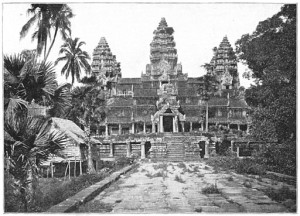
128, 29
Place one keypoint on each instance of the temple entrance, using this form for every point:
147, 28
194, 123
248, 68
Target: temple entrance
168, 123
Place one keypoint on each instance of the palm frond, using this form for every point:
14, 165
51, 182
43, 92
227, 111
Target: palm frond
28, 25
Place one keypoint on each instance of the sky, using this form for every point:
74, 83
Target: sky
128, 29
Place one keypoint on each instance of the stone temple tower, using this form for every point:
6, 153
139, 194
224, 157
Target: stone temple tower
163, 54
105, 66
224, 66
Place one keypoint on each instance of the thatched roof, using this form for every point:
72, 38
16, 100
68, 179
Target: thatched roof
71, 130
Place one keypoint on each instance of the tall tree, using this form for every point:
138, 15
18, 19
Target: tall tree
76, 59
207, 89
270, 52
46, 17
88, 109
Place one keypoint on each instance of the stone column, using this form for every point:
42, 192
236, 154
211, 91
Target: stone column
111, 148
191, 126
176, 124
161, 124
237, 151
206, 149
120, 129
232, 145
228, 126
238, 126
247, 129
153, 127
144, 129
182, 126
128, 153
143, 155
132, 128
106, 130
202, 126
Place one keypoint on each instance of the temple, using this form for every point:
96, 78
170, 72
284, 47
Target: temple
164, 100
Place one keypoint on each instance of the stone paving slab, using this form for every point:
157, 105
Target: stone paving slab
179, 190
87, 194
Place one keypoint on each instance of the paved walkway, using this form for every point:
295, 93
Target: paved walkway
178, 188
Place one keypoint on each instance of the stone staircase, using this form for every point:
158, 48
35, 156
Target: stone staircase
175, 151
176, 148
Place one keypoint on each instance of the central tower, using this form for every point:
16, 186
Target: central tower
163, 54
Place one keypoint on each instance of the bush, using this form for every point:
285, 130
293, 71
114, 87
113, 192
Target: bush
279, 158
282, 194
211, 189
243, 166
179, 179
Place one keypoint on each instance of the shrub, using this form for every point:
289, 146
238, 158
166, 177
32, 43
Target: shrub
211, 189
182, 165
247, 184
283, 193
279, 158
179, 179
230, 178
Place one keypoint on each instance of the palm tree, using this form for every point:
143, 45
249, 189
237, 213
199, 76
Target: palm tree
27, 144
47, 16
29, 140
60, 21
25, 79
75, 59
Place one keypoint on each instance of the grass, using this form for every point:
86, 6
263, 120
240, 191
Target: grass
155, 175
200, 175
210, 189
160, 166
96, 206
52, 191
230, 178
242, 166
281, 194
179, 179
196, 169
247, 184
181, 165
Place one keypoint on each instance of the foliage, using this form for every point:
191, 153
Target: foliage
179, 179
27, 79
211, 189
281, 194
75, 57
270, 52
30, 142
46, 17
243, 166
279, 158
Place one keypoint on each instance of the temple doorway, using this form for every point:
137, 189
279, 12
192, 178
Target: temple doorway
168, 123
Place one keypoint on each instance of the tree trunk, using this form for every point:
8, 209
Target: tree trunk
55, 33
91, 168
206, 122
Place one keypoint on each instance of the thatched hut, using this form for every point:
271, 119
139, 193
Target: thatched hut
74, 153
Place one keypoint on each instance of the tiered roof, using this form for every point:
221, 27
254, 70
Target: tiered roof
224, 61
104, 62
163, 45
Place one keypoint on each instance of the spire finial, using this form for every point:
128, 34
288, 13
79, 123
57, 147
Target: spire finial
163, 23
